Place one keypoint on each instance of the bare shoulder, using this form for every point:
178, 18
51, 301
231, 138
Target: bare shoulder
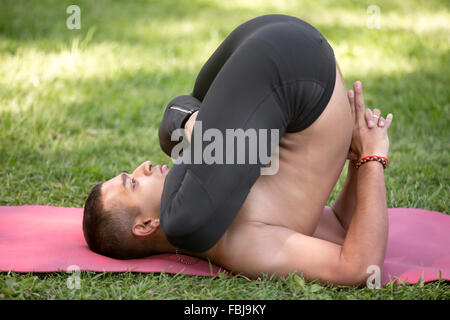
245, 246
253, 249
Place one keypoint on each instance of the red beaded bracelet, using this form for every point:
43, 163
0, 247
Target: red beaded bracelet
384, 161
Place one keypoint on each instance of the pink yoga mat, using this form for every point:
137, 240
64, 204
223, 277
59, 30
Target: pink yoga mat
36, 238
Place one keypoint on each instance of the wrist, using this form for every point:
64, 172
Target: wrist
370, 159
374, 153
372, 164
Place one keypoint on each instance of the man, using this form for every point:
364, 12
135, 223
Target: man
246, 222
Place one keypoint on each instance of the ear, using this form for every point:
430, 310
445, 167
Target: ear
144, 226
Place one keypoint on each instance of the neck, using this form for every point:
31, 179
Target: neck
161, 244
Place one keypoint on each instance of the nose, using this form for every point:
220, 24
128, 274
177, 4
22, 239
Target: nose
145, 168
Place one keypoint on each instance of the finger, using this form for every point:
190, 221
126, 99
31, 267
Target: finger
388, 121
375, 116
381, 122
351, 100
359, 102
369, 118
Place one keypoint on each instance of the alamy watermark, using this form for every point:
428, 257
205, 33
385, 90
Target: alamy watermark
228, 149
74, 20
374, 280
73, 282
373, 17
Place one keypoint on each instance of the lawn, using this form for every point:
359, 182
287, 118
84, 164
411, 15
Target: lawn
79, 106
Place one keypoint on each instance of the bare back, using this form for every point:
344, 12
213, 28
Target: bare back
310, 163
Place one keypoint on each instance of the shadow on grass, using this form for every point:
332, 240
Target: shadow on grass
103, 133
121, 114
134, 22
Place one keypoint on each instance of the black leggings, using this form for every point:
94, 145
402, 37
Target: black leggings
271, 72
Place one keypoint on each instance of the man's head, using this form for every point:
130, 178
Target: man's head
121, 215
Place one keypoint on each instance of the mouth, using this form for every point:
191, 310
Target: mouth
162, 169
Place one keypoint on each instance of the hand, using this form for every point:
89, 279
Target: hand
189, 125
369, 133
177, 112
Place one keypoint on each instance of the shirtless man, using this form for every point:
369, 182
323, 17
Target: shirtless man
283, 224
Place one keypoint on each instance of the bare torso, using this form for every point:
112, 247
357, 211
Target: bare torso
310, 163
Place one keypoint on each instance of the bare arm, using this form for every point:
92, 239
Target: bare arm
345, 203
256, 248
366, 239
259, 248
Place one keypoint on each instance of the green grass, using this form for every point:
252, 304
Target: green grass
79, 106
167, 286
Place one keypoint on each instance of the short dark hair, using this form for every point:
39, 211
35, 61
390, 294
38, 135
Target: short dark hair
109, 232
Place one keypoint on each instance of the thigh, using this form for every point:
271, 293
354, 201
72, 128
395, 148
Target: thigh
252, 90
310, 163
200, 200
223, 52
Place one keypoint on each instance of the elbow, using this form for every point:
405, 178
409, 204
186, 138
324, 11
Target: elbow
360, 272
191, 238
363, 275
177, 218
184, 232
173, 233
174, 228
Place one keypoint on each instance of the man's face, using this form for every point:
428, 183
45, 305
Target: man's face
142, 188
